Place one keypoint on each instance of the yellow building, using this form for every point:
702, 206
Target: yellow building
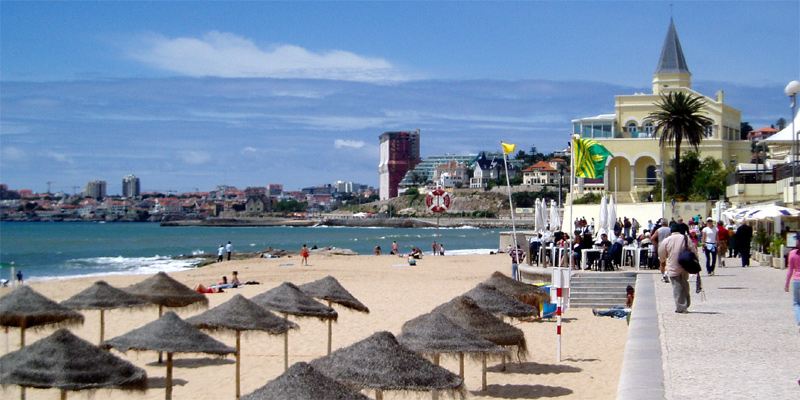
628, 134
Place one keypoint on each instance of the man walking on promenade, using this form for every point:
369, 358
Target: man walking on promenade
229, 249
743, 237
668, 252
710, 245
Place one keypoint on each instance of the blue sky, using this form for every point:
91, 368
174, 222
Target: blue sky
190, 95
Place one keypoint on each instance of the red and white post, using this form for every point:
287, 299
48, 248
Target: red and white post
561, 286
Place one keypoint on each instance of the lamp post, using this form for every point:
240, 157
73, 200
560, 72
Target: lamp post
791, 90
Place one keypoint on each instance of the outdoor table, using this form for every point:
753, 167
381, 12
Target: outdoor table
635, 256
585, 255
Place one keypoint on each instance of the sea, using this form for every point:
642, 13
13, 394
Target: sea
56, 250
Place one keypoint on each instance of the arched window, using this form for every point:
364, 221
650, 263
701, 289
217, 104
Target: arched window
651, 175
648, 129
632, 129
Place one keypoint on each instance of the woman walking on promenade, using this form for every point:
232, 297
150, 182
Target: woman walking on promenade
793, 277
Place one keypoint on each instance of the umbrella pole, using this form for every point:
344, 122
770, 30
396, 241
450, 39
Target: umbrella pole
461, 365
238, 360
168, 381
286, 345
378, 394
483, 373
330, 324
21, 337
102, 325
160, 311
435, 393
63, 395
6, 329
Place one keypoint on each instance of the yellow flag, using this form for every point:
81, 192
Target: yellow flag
508, 148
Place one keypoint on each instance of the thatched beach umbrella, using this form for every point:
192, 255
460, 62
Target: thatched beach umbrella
102, 296
239, 314
433, 334
379, 362
67, 362
329, 289
528, 294
289, 299
490, 299
25, 308
168, 334
466, 313
303, 382
164, 291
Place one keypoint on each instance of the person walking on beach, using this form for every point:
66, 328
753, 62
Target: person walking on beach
435, 248
722, 243
710, 245
220, 251
19, 278
668, 252
743, 237
517, 256
793, 278
229, 249
304, 253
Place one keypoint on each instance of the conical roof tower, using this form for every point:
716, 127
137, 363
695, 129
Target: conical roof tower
671, 70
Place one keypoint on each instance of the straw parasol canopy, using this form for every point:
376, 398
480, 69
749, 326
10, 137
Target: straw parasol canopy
289, 299
165, 291
433, 334
102, 296
67, 362
239, 314
171, 335
303, 382
514, 288
490, 299
466, 313
379, 362
25, 308
328, 288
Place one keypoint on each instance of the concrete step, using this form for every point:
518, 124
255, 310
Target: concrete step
597, 294
586, 284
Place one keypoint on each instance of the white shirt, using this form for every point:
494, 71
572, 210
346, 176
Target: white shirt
228, 247
710, 235
219, 250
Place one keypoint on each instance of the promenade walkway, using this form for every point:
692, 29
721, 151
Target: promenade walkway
740, 343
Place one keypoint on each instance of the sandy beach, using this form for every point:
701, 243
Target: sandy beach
394, 292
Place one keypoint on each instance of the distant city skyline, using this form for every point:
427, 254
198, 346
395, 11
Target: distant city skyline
193, 95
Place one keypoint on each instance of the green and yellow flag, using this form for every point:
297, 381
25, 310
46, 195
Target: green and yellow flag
508, 148
590, 158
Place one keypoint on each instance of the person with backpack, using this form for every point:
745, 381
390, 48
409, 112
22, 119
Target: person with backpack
669, 253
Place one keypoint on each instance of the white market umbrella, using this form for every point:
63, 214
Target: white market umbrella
543, 208
602, 221
771, 211
612, 216
555, 220
537, 217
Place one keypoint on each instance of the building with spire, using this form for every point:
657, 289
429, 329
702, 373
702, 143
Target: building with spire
629, 135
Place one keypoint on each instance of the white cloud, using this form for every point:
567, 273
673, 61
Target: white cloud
349, 144
228, 55
194, 157
60, 157
249, 150
11, 153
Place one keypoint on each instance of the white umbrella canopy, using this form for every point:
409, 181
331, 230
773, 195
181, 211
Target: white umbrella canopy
612, 216
602, 221
555, 220
770, 212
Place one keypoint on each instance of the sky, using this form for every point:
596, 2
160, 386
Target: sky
191, 95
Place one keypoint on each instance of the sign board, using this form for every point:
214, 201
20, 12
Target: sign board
437, 200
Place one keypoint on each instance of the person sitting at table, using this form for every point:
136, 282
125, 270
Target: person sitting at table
533, 248
613, 256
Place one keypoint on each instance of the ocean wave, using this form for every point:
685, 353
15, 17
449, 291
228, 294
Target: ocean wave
98, 266
466, 252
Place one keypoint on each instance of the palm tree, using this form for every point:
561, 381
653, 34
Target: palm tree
679, 118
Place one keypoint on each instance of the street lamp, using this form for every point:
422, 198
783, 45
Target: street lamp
791, 90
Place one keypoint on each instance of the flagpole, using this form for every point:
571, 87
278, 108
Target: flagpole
511, 207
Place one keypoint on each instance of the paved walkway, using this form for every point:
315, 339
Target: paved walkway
740, 343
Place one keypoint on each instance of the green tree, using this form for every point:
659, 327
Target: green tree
678, 118
780, 123
744, 129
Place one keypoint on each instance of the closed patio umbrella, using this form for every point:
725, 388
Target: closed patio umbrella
329, 289
171, 335
66, 362
102, 296
289, 299
555, 218
239, 314
602, 220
